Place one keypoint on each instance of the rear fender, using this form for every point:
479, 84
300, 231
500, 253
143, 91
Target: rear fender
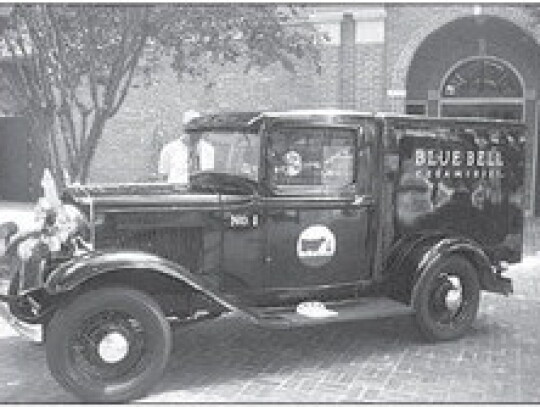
456, 245
489, 274
72, 274
413, 256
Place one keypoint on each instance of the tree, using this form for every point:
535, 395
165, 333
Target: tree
72, 65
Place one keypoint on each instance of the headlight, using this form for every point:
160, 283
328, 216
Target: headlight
44, 212
69, 221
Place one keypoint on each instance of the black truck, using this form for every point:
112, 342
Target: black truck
300, 217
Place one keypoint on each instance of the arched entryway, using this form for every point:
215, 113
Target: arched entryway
482, 87
480, 66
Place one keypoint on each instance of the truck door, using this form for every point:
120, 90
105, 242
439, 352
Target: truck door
318, 224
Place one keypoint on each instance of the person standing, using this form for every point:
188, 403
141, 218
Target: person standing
173, 163
205, 155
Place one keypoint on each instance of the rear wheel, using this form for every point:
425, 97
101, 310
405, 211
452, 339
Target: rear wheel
446, 298
109, 344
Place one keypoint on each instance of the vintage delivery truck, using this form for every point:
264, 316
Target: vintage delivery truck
301, 217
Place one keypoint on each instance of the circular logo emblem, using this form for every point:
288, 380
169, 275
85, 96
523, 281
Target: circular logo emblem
316, 246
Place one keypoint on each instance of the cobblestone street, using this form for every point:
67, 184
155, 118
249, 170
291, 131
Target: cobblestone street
230, 360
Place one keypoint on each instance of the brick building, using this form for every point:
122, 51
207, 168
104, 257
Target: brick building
428, 59
434, 60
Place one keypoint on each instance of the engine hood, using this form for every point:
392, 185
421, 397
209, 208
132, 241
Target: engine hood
204, 187
155, 194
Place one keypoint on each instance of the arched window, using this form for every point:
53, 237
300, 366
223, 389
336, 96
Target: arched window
482, 87
482, 78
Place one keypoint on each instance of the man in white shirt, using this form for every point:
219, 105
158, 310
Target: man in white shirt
173, 163
205, 153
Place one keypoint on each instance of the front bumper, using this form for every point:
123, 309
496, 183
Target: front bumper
31, 332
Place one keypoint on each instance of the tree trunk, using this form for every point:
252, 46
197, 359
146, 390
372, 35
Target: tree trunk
89, 150
44, 139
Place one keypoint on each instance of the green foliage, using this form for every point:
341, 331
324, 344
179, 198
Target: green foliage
261, 35
73, 64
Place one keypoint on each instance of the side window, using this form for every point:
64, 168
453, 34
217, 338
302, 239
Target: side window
322, 159
227, 152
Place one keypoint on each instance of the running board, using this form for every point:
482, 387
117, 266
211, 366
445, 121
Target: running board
322, 313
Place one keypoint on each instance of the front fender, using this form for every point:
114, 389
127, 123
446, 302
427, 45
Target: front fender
75, 272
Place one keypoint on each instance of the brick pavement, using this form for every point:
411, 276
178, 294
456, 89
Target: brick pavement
370, 361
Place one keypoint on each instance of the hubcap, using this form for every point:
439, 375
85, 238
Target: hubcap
108, 345
447, 299
113, 347
454, 296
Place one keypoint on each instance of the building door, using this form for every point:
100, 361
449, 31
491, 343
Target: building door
489, 87
484, 66
14, 159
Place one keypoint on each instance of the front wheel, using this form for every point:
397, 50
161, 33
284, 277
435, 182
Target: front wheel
446, 298
109, 344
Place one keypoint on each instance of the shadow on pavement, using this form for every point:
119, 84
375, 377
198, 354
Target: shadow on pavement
24, 376
230, 350
218, 360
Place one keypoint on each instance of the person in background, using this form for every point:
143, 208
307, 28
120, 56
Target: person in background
173, 163
204, 155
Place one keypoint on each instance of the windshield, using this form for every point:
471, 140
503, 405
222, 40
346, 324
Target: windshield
229, 152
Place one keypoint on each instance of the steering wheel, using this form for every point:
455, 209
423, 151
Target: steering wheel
227, 183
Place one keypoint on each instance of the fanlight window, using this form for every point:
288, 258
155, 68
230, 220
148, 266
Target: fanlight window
482, 78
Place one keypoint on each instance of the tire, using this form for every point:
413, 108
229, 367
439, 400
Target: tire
81, 357
446, 298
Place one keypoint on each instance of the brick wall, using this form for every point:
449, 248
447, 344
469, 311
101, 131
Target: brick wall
356, 76
351, 77
407, 26
152, 115
369, 78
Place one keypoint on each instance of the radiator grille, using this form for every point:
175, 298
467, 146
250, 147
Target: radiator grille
181, 245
